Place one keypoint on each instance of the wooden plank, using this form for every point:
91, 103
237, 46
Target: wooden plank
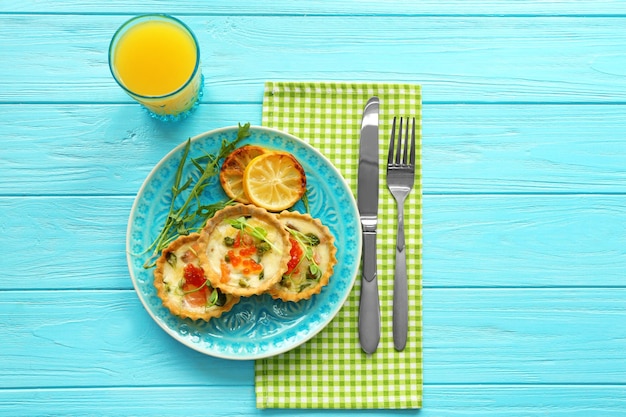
524, 149
519, 241
525, 336
458, 58
469, 241
64, 243
95, 149
319, 7
523, 400
99, 339
439, 401
110, 149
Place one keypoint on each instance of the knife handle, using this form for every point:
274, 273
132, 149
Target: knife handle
369, 306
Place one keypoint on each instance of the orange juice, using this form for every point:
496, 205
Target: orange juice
155, 58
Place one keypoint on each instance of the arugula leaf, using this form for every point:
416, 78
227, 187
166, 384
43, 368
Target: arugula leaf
191, 216
305, 201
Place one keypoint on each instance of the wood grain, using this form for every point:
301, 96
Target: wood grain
441, 401
96, 149
531, 241
321, 7
457, 59
97, 339
508, 148
498, 336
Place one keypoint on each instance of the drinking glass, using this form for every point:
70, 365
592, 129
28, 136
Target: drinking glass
155, 58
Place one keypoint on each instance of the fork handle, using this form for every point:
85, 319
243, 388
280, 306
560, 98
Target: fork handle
400, 287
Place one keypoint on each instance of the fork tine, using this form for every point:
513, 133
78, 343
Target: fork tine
399, 152
391, 142
406, 142
399, 145
412, 157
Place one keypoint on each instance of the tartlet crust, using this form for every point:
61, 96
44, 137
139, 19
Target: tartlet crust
171, 299
215, 251
325, 251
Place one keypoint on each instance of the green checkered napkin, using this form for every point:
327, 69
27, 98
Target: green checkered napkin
331, 370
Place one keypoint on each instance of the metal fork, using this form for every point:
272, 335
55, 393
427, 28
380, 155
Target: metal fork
400, 180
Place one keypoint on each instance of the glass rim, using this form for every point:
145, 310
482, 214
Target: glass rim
147, 17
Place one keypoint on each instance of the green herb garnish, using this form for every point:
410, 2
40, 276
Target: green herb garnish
192, 215
305, 201
308, 241
257, 232
262, 247
217, 298
204, 284
171, 259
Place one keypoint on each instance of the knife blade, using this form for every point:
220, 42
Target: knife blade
367, 202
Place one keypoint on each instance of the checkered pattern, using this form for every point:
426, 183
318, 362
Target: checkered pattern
330, 370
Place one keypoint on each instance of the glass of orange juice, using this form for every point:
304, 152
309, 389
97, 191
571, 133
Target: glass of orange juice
156, 59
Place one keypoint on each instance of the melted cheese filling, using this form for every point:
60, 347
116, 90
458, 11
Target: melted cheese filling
218, 254
296, 281
174, 279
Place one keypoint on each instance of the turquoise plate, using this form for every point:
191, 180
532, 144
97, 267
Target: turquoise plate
257, 326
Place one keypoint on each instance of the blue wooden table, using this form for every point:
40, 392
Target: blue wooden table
524, 174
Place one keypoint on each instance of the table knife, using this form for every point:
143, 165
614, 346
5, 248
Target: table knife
367, 201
